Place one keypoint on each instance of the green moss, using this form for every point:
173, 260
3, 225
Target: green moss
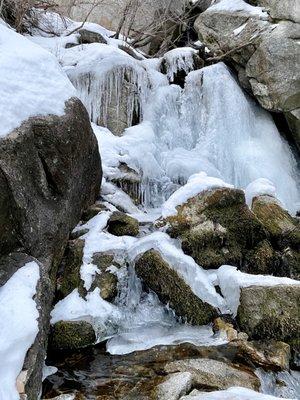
71, 335
70, 278
172, 290
121, 224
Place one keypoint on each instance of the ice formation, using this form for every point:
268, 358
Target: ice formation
180, 59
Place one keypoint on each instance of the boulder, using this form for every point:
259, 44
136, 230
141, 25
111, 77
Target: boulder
71, 264
216, 227
174, 386
284, 230
266, 55
270, 312
72, 335
121, 224
172, 289
269, 355
50, 172
86, 37
286, 10
213, 374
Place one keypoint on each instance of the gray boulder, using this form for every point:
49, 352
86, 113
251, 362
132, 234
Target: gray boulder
266, 55
172, 289
286, 10
214, 374
50, 172
270, 312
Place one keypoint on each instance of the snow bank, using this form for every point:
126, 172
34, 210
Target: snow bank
231, 280
259, 187
233, 393
196, 184
18, 326
93, 308
31, 81
239, 6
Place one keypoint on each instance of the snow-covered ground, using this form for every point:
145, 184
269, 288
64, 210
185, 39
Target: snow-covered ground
18, 326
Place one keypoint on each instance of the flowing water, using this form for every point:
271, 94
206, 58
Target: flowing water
209, 126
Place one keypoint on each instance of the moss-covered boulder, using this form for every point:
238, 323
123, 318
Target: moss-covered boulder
70, 277
284, 230
71, 335
271, 312
106, 281
172, 289
216, 227
121, 224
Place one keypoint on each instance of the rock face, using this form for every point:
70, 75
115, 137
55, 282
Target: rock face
49, 173
216, 227
265, 54
213, 374
270, 312
72, 335
172, 289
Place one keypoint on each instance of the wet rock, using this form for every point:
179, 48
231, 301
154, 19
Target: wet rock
212, 374
216, 227
175, 386
270, 312
70, 278
172, 289
270, 355
71, 335
225, 328
121, 224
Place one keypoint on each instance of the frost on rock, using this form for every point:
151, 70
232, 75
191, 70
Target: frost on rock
112, 85
180, 59
18, 326
231, 280
31, 81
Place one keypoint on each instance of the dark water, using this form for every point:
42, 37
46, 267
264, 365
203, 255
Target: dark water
95, 374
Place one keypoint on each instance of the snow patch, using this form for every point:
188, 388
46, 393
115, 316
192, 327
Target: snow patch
31, 81
18, 325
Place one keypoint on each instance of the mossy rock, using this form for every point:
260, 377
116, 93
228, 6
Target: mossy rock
284, 230
71, 335
263, 259
121, 224
171, 289
216, 227
106, 281
270, 312
92, 211
72, 261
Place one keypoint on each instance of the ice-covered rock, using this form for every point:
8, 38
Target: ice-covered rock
172, 289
